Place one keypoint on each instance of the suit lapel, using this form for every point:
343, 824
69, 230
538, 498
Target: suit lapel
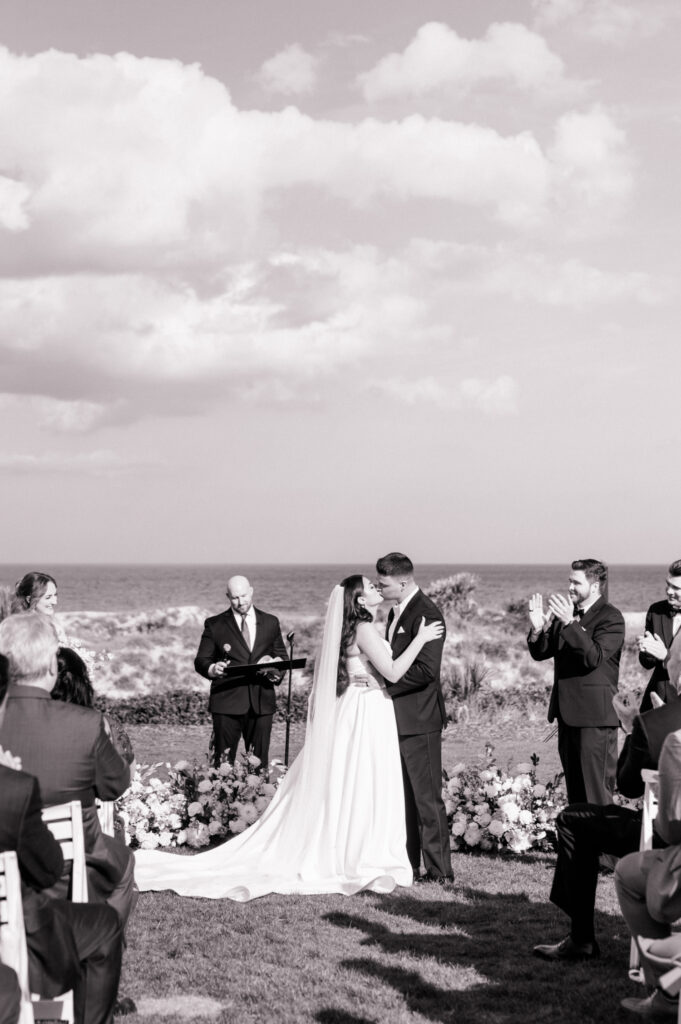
667, 629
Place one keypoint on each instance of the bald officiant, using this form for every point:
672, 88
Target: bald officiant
241, 705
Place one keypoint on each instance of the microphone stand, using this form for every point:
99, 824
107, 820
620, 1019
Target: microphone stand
289, 637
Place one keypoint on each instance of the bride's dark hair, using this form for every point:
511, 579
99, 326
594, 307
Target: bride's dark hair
353, 613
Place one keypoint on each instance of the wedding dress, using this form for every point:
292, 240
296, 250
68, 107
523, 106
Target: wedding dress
336, 823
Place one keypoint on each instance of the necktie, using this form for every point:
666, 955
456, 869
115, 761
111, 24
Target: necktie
391, 619
245, 632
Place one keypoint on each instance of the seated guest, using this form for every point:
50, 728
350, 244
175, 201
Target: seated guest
70, 945
585, 831
74, 686
648, 883
663, 621
68, 750
10, 996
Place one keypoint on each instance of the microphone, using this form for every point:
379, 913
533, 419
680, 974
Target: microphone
290, 636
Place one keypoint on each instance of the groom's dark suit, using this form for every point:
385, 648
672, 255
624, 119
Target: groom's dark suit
659, 619
241, 706
421, 717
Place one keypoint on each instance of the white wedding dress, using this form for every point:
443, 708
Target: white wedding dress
336, 823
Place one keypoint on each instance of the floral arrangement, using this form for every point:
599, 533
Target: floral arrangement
491, 810
194, 805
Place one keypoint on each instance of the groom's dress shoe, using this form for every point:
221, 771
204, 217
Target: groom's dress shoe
655, 1006
568, 951
444, 880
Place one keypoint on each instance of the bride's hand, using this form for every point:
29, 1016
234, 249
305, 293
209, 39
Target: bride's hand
431, 630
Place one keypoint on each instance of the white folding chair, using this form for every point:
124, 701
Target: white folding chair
65, 822
105, 813
13, 952
650, 778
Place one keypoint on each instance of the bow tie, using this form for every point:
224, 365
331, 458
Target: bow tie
579, 613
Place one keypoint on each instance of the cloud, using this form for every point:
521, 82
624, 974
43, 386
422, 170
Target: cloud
608, 21
101, 462
492, 397
291, 72
13, 198
438, 58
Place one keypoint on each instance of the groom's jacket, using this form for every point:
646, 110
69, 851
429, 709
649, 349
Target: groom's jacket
240, 693
417, 697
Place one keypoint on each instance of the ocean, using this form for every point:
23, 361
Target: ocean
302, 590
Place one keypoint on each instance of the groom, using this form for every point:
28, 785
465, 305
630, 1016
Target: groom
420, 714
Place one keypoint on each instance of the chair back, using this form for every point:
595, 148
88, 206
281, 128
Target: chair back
65, 822
650, 778
105, 813
13, 952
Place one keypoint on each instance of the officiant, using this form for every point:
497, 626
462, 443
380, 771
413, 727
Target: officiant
241, 705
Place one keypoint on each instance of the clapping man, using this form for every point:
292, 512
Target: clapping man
584, 635
663, 621
242, 706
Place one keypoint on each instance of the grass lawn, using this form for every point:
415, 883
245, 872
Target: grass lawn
422, 954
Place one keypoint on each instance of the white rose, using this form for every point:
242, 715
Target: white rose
194, 809
205, 786
472, 836
492, 790
215, 827
484, 819
165, 839
496, 827
150, 843
511, 811
525, 817
238, 825
254, 761
458, 827
538, 790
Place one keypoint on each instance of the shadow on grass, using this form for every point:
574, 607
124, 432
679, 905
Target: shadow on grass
488, 939
331, 1016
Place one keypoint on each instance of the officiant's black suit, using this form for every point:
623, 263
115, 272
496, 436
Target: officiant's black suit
659, 619
242, 707
421, 717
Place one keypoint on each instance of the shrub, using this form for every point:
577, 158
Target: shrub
452, 595
181, 707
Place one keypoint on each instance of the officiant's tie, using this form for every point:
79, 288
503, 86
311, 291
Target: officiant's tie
245, 632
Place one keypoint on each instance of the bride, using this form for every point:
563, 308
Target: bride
336, 822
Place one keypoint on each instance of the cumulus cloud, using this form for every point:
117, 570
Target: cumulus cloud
607, 21
497, 397
102, 462
591, 164
492, 397
291, 72
438, 58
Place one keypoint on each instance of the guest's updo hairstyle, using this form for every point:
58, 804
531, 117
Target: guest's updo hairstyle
30, 589
73, 685
353, 613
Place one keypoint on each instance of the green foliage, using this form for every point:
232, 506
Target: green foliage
181, 707
453, 595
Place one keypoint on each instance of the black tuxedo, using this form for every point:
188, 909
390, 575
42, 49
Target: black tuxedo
70, 945
421, 717
585, 831
586, 656
242, 706
659, 620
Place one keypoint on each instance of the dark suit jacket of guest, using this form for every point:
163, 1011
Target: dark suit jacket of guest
586, 665
240, 695
417, 697
659, 620
53, 961
643, 745
67, 749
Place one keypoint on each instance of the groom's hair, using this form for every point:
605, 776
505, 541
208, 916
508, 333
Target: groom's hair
395, 564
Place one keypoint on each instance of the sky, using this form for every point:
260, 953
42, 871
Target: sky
316, 281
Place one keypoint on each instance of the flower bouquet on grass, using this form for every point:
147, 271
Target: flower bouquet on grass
490, 809
195, 805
